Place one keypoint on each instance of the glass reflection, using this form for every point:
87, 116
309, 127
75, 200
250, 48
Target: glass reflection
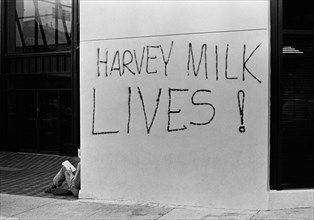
43, 24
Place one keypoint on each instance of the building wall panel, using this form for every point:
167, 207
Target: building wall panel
151, 130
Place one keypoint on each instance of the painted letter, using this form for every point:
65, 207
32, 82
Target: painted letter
102, 61
203, 103
139, 68
246, 60
163, 56
94, 113
226, 66
204, 51
150, 58
116, 56
148, 127
125, 64
174, 112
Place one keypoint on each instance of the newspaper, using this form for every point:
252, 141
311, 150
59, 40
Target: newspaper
68, 165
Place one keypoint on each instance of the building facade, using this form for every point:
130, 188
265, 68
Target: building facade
39, 76
193, 103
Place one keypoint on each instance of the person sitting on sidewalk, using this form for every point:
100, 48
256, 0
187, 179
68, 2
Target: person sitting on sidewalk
73, 180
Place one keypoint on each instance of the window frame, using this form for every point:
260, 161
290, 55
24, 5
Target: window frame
275, 113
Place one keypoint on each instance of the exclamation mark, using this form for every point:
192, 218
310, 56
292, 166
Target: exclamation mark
241, 96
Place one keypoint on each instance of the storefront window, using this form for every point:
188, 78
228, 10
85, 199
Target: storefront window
297, 80
41, 25
295, 83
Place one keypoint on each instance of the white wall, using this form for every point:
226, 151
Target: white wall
213, 164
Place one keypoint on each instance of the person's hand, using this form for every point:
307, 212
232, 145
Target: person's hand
69, 171
79, 153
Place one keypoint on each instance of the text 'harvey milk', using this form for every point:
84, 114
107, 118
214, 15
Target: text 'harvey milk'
155, 60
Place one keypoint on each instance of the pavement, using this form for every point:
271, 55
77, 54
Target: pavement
29, 174
24, 177
31, 207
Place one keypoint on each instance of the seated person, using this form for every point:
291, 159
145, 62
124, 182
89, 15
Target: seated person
73, 180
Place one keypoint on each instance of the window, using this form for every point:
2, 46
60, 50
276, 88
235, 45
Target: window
41, 25
293, 95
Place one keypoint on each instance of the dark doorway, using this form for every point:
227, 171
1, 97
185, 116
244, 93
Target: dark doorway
292, 102
44, 120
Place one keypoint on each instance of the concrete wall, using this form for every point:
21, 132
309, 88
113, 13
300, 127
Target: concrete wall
151, 130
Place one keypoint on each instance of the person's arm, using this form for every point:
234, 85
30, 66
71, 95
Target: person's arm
77, 176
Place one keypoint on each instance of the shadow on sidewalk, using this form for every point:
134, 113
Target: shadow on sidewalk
30, 174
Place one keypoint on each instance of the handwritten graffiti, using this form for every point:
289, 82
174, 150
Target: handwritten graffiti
241, 96
120, 63
155, 60
171, 112
123, 61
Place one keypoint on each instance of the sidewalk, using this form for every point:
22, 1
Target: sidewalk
28, 207
29, 174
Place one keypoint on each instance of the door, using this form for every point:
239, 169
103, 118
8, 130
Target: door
292, 105
38, 121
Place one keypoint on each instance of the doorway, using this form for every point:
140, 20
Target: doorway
292, 100
44, 120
